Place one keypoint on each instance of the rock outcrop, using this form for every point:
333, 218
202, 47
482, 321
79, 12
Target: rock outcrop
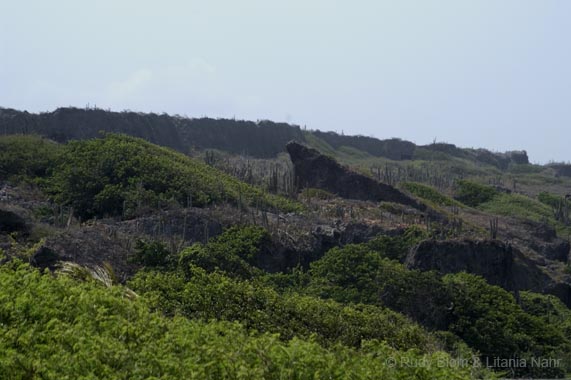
11, 222
490, 259
540, 238
90, 246
561, 170
315, 170
499, 263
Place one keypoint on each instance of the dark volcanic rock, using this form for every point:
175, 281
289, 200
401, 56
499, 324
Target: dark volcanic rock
542, 238
45, 258
499, 263
490, 259
90, 246
313, 169
557, 250
518, 157
11, 222
287, 252
561, 170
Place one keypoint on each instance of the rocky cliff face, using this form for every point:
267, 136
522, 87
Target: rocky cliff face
498, 262
395, 149
315, 170
263, 139
561, 170
539, 239
492, 260
499, 160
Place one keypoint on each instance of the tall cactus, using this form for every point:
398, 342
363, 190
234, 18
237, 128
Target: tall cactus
494, 228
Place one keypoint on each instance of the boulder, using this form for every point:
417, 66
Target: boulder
12, 222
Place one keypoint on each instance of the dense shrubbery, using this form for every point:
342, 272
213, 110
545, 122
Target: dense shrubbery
206, 296
235, 252
26, 157
473, 194
489, 320
218, 281
151, 254
486, 317
397, 247
214, 281
56, 328
355, 273
120, 175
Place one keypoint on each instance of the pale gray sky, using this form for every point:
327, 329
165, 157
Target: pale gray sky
481, 73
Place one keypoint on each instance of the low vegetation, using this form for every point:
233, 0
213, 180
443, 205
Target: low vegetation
473, 194
26, 157
428, 193
57, 328
118, 175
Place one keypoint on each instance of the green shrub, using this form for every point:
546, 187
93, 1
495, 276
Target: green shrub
202, 295
485, 317
473, 194
235, 252
310, 193
397, 247
489, 320
56, 328
517, 205
247, 242
26, 157
549, 308
212, 260
151, 254
121, 175
428, 193
357, 274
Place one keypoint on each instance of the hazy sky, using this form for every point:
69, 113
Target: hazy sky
480, 73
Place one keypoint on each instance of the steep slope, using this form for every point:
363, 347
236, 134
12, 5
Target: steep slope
315, 170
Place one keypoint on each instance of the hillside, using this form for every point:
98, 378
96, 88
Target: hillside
262, 139
141, 245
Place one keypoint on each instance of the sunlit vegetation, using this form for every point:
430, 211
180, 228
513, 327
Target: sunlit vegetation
428, 193
26, 157
473, 194
124, 176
